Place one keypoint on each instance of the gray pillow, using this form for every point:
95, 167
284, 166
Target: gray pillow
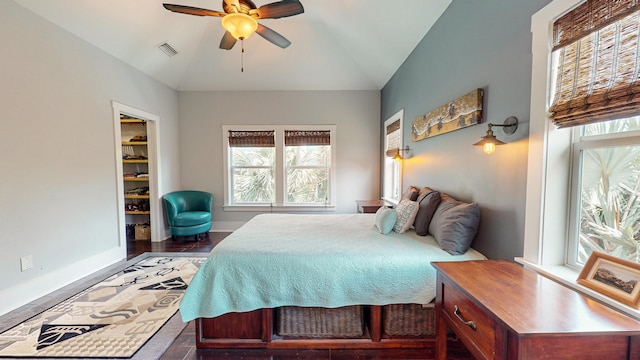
410, 194
455, 224
428, 202
424, 190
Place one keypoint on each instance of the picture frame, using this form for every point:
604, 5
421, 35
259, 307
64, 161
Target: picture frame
614, 277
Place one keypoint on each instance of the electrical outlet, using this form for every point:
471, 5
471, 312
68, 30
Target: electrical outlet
26, 262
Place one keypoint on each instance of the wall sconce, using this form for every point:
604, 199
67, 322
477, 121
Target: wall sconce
398, 154
489, 141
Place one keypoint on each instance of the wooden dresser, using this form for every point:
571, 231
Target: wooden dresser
500, 310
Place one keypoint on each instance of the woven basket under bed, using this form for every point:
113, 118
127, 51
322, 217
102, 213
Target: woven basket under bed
319, 322
409, 319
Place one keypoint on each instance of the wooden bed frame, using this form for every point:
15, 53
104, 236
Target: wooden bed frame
255, 330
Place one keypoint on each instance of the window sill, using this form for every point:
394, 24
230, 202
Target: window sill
567, 276
281, 209
390, 201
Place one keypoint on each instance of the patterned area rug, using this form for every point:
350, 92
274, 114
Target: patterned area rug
111, 319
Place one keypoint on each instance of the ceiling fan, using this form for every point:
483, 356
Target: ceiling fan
240, 19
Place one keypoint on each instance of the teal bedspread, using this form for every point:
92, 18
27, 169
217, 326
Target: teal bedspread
314, 260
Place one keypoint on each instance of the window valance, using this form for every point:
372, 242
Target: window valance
251, 138
393, 136
307, 137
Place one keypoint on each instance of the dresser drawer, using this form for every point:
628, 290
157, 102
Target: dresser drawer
478, 334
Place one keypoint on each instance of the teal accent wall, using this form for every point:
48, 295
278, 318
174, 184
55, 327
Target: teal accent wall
475, 44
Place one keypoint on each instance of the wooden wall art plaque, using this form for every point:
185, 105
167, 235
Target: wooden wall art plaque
459, 113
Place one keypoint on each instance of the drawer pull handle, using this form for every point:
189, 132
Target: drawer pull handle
456, 312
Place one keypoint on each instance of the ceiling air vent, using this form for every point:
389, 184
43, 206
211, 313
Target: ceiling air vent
167, 49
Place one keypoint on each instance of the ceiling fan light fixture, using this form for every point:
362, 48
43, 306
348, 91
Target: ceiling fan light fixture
239, 25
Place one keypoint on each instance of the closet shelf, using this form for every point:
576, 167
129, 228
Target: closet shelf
133, 143
136, 197
137, 212
136, 178
132, 121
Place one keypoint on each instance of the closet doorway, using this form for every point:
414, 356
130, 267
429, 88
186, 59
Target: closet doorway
137, 170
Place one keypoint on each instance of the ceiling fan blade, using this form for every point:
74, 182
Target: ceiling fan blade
227, 41
272, 36
182, 9
279, 9
233, 3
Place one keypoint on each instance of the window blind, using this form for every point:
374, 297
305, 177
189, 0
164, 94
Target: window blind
596, 63
251, 138
393, 136
307, 137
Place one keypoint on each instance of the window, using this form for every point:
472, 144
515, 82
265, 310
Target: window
595, 69
282, 167
559, 155
605, 215
308, 160
392, 169
252, 167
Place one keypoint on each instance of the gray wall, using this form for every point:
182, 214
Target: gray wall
475, 44
57, 150
355, 113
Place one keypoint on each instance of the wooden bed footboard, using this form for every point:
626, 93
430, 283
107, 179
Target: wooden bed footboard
256, 329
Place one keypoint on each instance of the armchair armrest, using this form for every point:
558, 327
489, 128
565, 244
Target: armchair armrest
171, 209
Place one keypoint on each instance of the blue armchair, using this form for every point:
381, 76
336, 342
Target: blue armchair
188, 213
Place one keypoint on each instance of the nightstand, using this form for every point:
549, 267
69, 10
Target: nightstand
368, 206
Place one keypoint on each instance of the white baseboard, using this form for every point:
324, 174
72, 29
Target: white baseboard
26, 292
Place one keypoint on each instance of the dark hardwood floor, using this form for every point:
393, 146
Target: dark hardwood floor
183, 346
137, 247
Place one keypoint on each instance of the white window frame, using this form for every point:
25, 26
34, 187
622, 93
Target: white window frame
280, 204
581, 143
302, 167
549, 169
392, 169
231, 168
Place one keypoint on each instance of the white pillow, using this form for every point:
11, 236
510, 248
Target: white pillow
406, 212
385, 219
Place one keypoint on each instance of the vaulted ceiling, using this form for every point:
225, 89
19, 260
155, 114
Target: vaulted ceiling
336, 44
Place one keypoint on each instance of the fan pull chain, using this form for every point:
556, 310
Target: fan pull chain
242, 56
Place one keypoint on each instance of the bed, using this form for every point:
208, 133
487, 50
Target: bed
309, 273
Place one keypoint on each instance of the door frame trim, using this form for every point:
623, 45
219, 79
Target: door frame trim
153, 148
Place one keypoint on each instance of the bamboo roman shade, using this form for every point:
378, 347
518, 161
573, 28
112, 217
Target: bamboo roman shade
393, 136
596, 63
251, 138
307, 137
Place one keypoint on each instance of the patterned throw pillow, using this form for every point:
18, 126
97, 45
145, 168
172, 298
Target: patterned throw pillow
385, 220
406, 211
